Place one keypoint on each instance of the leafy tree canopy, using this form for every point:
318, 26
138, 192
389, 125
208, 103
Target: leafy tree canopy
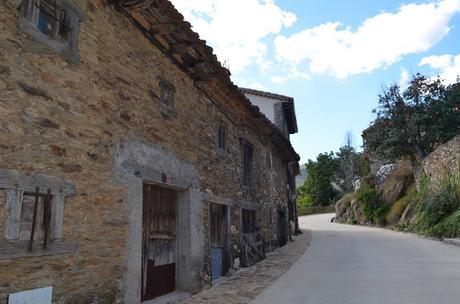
410, 124
317, 189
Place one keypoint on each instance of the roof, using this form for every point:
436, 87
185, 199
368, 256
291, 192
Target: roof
165, 27
267, 94
288, 106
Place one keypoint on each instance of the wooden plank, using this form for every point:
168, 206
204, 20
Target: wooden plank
18, 250
13, 213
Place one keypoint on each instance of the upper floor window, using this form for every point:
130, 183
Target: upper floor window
167, 94
247, 155
222, 137
55, 23
248, 220
268, 159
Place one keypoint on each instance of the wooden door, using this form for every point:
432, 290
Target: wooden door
159, 241
218, 240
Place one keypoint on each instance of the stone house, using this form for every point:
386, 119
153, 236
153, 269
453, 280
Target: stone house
280, 110
131, 165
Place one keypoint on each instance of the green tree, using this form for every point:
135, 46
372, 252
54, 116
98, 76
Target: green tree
412, 123
351, 165
317, 189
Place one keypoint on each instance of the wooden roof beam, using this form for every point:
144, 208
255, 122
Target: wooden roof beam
162, 29
181, 48
135, 4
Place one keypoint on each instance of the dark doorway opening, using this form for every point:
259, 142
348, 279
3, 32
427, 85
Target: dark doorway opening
282, 231
158, 241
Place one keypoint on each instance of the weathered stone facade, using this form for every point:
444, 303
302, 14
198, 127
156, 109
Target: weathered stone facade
445, 160
99, 124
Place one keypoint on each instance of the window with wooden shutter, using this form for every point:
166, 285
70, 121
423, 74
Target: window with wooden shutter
247, 151
249, 221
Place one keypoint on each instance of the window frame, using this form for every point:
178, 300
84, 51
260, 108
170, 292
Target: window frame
222, 137
269, 159
17, 184
247, 159
167, 88
68, 47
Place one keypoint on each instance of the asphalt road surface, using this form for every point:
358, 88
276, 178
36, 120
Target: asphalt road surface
352, 265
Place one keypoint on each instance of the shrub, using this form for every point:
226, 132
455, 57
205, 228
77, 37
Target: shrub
371, 205
438, 205
424, 184
448, 227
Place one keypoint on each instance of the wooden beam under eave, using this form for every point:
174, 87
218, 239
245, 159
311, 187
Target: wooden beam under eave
181, 48
132, 4
140, 19
162, 41
163, 29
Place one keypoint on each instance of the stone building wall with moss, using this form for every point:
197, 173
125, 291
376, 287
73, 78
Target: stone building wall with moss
69, 120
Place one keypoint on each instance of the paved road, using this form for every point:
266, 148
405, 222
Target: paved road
353, 265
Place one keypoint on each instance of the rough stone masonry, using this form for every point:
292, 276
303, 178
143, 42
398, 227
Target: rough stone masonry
98, 127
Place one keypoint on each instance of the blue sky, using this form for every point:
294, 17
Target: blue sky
332, 56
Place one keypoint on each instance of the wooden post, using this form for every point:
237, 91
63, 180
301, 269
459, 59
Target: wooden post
46, 218
34, 220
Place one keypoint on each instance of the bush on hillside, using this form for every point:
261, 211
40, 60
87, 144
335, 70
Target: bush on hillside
372, 207
448, 227
438, 205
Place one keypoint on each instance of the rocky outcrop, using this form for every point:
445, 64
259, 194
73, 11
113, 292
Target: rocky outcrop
395, 184
391, 183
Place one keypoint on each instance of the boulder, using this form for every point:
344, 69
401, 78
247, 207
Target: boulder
396, 183
342, 208
357, 211
383, 173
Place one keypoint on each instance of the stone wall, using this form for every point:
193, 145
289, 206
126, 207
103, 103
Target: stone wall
69, 121
444, 160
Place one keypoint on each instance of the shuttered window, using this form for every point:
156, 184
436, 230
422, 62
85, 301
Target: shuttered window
247, 152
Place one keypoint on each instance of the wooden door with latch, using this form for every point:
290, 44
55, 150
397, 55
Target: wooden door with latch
159, 241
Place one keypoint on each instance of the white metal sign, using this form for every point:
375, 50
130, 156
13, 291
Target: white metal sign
34, 296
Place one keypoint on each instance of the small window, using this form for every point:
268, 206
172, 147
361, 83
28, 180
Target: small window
268, 159
249, 221
222, 138
51, 19
247, 154
53, 22
167, 94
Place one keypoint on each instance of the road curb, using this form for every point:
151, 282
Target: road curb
455, 242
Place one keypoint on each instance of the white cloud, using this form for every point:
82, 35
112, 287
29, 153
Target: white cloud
278, 79
437, 62
257, 86
382, 40
236, 28
447, 66
404, 79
